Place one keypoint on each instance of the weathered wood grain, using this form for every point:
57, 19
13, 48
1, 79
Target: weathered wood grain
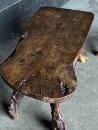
42, 65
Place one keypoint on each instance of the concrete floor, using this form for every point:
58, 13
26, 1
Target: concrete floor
80, 112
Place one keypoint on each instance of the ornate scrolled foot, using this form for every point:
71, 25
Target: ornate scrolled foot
82, 56
57, 121
13, 108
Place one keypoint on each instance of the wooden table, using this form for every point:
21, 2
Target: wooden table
42, 66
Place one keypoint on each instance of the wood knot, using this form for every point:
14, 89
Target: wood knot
22, 61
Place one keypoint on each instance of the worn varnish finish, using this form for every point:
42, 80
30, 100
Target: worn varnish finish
42, 66
43, 60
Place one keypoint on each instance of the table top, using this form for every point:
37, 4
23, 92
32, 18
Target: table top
42, 64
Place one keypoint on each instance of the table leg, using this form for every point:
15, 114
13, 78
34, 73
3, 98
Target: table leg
82, 56
57, 121
13, 108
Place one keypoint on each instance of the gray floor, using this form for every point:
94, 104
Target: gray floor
81, 111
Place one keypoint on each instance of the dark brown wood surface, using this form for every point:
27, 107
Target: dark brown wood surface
41, 67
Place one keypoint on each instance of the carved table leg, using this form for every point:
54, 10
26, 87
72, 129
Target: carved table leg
57, 121
13, 108
82, 56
